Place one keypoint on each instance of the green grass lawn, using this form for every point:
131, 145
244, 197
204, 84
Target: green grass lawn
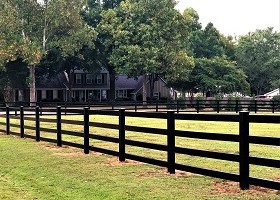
31, 170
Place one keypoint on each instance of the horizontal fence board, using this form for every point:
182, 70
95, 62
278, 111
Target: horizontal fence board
48, 110
207, 154
264, 119
30, 119
104, 125
146, 115
104, 112
3, 131
265, 183
48, 120
209, 136
72, 133
48, 140
104, 138
146, 145
146, 160
264, 140
29, 136
207, 172
72, 144
14, 117
104, 151
68, 121
207, 117
146, 130
264, 162
75, 111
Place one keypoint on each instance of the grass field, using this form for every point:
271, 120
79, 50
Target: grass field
31, 170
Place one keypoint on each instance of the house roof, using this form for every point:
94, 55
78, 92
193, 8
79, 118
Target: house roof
273, 93
56, 81
124, 82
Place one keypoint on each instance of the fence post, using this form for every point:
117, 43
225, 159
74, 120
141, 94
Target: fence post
218, 106
122, 135
170, 142
86, 130
197, 106
256, 106
273, 106
135, 105
244, 150
112, 105
21, 122
8, 120
58, 126
236, 106
37, 113
177, 105
157, 105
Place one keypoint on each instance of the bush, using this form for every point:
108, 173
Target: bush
170, 103
251, 106
182, 103
200, 103
276, 100
214, 103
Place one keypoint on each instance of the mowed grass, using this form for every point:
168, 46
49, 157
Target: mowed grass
31, 170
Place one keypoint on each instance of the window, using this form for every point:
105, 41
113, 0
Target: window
121, 93
89, 78
99, 79
78, 78
49, 94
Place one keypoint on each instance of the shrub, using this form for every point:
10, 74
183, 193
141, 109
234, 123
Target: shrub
200, 103
170, 103
276, 100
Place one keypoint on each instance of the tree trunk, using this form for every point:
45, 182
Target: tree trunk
151, 84
145, 90
32, 86
112, 75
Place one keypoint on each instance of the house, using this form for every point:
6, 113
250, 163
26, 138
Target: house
270, 94
87, 87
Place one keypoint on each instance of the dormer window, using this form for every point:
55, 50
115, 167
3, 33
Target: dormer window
78, 79
99, 79
89, 78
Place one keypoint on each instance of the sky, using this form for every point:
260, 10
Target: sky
236, 17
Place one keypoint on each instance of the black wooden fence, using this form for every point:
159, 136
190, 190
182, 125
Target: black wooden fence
244, 139
197, 105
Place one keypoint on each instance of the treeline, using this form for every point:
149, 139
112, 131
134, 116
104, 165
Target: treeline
137, 38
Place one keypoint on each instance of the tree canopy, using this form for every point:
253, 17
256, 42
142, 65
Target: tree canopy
258, 55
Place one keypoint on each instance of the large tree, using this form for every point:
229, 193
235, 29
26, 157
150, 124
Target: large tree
104, 44
149, 37
30, 28
258, 54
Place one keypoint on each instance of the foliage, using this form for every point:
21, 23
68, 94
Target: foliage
29, 29
258, 54
276, 100
200, 103
149, 37
218, 75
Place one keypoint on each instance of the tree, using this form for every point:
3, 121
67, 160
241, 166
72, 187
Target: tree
104, 44
258, 55
29, 29
148, 38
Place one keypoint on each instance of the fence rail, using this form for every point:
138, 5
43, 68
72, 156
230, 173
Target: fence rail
197, 105
243, 139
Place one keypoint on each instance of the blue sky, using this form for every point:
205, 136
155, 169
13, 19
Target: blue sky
236, 17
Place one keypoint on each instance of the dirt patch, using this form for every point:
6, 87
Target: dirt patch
164, 171
114, 161
68, 151
230, 187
